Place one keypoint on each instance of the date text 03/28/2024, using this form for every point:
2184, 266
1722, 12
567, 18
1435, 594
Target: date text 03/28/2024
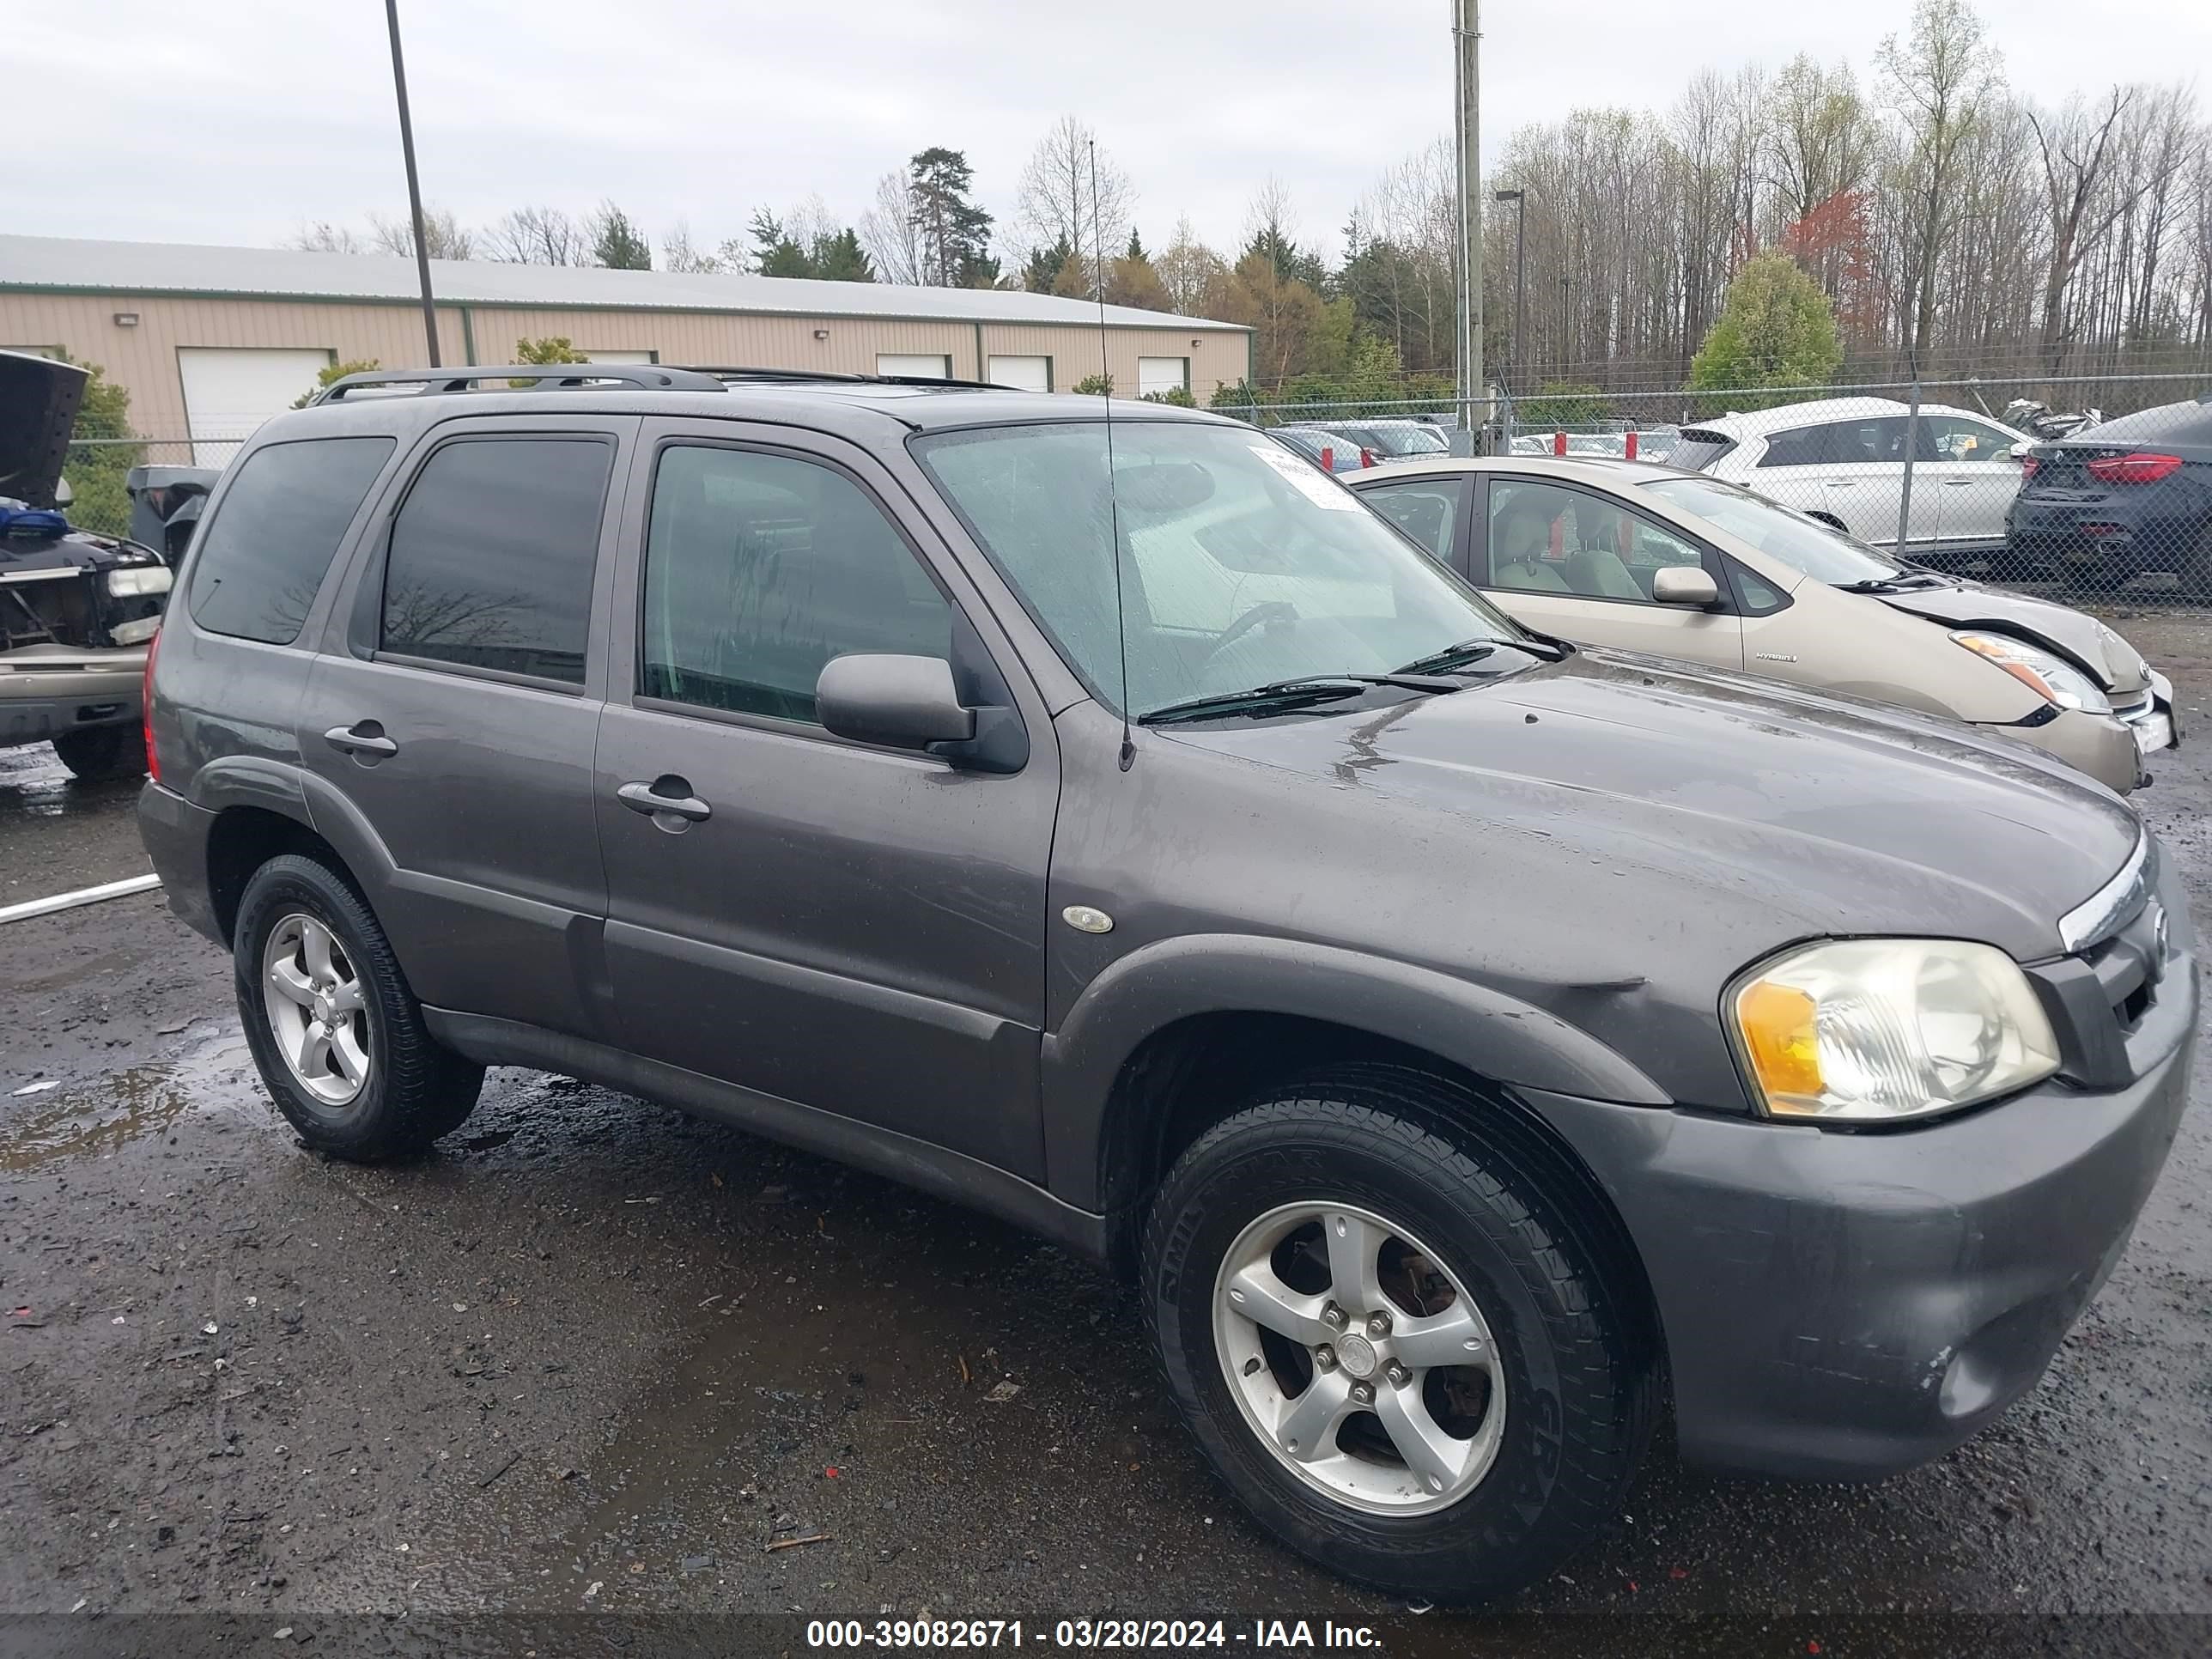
1282, 1634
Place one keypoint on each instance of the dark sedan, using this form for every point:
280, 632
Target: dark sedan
2116, 501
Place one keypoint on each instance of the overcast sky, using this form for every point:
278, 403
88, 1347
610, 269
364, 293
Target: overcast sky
238, 121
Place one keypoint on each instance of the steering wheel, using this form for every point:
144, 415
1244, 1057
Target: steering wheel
1258, 615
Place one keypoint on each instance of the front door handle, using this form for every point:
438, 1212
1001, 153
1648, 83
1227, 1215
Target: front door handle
362, 738
1839, 484
1956, 483
666, 794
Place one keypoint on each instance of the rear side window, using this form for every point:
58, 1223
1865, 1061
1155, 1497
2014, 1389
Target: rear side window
264, 555
491, 555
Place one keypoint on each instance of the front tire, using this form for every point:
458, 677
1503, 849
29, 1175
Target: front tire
334, 1030
98, 753
1406, 1349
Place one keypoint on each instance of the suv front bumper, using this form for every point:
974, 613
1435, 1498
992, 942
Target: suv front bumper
1843, 1306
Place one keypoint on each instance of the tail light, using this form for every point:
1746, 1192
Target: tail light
2028, 465
1366, 456
146, 707
2142, 467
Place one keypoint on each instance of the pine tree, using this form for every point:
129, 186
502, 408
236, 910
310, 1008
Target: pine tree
954, 234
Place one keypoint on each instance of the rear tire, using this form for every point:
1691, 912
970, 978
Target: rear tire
98, 753
335, 1031
1521, 1453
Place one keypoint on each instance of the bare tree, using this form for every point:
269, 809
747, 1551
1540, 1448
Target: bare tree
2076, 142
324, 236
538, 236
1941, 80
678, 254
441, 232
1072, 192
893, 234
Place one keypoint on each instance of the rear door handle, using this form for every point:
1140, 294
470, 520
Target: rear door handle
362, 737
1839, 484
669, 795
1957, 483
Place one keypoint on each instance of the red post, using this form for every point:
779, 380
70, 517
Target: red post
1559, 441
1328, 458
1632, 443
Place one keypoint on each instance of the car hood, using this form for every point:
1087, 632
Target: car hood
2115, 665
38, 401
1821, 816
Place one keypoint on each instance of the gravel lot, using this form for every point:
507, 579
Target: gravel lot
595, 1358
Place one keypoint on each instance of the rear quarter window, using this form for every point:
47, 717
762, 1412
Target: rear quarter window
262, 560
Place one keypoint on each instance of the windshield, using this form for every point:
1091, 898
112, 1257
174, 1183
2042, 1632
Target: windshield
1395, 440
1242, 565
1820, 550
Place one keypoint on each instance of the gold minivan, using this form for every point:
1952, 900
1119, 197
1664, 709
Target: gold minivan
1679, 564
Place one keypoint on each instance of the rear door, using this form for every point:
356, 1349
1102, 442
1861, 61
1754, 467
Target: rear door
456, 730
1580, 565
1433, 511
848, 928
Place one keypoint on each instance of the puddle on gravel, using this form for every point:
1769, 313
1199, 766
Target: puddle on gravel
98, 1116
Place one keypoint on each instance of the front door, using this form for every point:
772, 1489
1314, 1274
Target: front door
1969, 465
459, 728
1580, 565
850, 928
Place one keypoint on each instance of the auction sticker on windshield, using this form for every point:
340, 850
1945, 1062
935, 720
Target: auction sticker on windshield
1305, 480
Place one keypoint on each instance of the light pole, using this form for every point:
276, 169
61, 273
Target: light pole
414, 188
1466, 89
1520, 200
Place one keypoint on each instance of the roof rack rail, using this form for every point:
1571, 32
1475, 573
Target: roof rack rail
832, 376
569, 377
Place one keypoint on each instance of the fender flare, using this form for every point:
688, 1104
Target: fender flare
1488, 1033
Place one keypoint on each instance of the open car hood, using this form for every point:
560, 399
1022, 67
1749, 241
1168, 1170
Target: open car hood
2110, 660
38, 401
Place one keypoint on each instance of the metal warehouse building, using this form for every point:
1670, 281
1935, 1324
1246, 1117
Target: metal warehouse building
212, 341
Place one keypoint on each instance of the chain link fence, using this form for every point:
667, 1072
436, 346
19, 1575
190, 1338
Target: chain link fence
2008, 481
2012, 481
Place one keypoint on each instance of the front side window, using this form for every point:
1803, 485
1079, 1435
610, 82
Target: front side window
1547, 539
1820, 550
263, 557
1956, 438
1428, 512
759, 568
492, 554
1240, 565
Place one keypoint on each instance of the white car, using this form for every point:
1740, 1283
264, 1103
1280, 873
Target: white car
1843, 460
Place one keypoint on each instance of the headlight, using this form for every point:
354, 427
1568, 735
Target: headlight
132, 581
2050, 677
135, 633
1874, 1030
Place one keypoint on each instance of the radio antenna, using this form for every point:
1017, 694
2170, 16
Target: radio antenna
1113, 494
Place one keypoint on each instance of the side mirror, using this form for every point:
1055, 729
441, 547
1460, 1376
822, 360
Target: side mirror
1685, 584
900, 702
63, 493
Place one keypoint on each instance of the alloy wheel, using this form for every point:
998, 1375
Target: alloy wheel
1359, 1358
316, 1008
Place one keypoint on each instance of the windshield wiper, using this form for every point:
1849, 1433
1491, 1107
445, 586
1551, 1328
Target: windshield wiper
1903, 581
1292, 694
1473, 651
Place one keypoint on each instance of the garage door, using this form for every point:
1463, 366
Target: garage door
925, 366
1024, 374
229, 391
1161, 374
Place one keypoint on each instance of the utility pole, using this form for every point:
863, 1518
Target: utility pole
1513, 361
413, 187
1466, 64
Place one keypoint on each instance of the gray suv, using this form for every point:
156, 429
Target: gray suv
1472, 1046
